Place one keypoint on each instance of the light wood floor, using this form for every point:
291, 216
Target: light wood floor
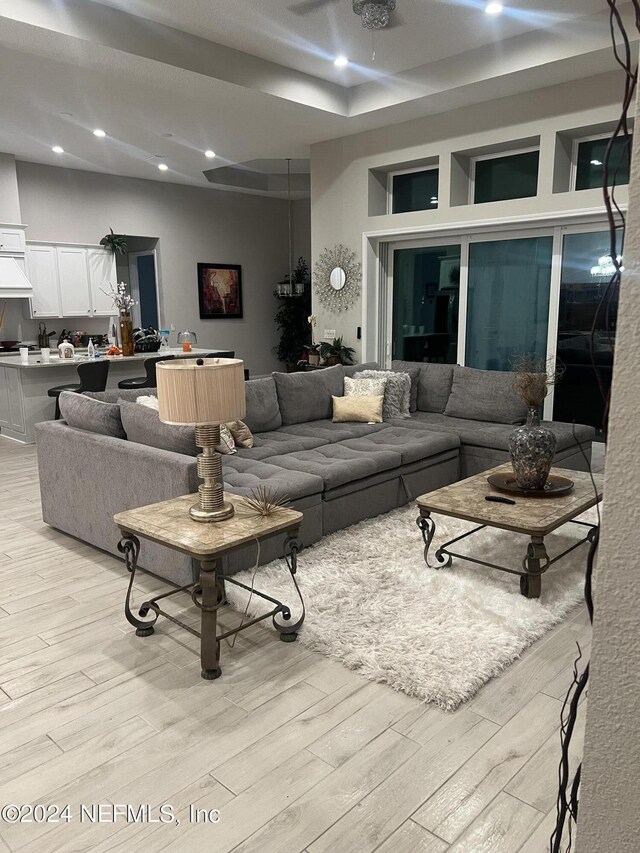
298, 754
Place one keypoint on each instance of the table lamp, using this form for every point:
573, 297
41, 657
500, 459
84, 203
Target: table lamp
203, 392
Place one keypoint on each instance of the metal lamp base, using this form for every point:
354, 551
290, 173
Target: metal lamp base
222, 514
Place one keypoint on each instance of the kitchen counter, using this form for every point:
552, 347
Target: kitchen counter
24, 401
35, 359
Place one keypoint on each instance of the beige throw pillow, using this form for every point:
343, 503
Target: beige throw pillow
241, 433
359, 410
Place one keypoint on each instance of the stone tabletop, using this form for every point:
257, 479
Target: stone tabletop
529, 515
169, 523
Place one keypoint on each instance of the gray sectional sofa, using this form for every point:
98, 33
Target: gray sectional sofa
107, 459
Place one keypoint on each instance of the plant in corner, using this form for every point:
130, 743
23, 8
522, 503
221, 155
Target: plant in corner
336, 352
116, 242
291, 319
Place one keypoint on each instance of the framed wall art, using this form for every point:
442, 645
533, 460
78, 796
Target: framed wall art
220, 291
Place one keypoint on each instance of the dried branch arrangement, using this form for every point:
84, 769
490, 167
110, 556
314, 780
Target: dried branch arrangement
534, 378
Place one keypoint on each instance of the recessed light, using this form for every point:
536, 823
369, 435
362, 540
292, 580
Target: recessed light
341, 61
210, 154
163, 167
99, 133
494, 7
57, 149
596, 163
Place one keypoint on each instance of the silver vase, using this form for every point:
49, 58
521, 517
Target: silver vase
532, 448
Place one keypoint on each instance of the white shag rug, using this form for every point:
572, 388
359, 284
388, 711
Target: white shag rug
439, 635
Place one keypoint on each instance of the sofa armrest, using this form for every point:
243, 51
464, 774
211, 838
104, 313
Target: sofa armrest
86, 478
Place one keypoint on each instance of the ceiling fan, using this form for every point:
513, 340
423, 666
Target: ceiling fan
374, 14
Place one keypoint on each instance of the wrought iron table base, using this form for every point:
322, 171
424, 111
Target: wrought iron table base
534, 564
208, 594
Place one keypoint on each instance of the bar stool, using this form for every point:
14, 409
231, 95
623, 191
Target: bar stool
226, 354
93, 377
148, 381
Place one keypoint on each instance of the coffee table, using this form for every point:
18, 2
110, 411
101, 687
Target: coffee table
168, 523
532, 517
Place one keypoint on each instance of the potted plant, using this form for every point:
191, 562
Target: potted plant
336, 352
292, 319
116, 242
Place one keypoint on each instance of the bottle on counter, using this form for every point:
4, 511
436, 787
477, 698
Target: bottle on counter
91, 349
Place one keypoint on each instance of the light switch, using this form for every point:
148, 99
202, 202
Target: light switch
329, 334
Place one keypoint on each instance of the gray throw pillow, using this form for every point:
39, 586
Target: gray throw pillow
397, 392
112, 395
413, 369
92, 415
143, 425
485, 395
434, 386
308, 396
263, 413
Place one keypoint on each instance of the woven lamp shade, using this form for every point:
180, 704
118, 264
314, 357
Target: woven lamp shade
201, 391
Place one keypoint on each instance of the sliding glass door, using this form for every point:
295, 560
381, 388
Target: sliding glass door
426, 287
586, 328
484, 299
508, 301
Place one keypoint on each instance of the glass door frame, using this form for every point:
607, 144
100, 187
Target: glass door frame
464, 240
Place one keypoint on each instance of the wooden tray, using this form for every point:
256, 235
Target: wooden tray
555, 488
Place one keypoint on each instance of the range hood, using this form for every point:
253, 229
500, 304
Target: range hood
13, 282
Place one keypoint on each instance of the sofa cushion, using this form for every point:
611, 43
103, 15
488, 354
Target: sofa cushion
434, 386
82, 412
263, 412
491, 435
412, 445
143, 425
330, 432
112, 395
268, 444
337, 464
397, 392
351, 369
485, 395
372, 387
413, 369
242, 476
307, 396
362, 409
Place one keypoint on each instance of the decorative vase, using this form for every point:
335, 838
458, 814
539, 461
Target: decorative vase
314, 359
532, 448
126, 334
332, 360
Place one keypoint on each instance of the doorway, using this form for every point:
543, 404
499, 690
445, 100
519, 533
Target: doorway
143, 283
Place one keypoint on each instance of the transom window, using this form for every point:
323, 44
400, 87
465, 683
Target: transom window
414, 191
589, 162
507, 176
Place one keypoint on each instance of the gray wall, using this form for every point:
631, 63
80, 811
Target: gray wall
191, 225
609, 820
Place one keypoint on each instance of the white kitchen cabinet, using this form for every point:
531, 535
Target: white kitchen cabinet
73, 277
12, 240
5, 414
16, 409
43, 274
102, 273
67, 280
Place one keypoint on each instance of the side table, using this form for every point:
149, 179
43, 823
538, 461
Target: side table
168, 523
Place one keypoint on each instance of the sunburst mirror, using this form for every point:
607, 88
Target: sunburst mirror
337, 278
